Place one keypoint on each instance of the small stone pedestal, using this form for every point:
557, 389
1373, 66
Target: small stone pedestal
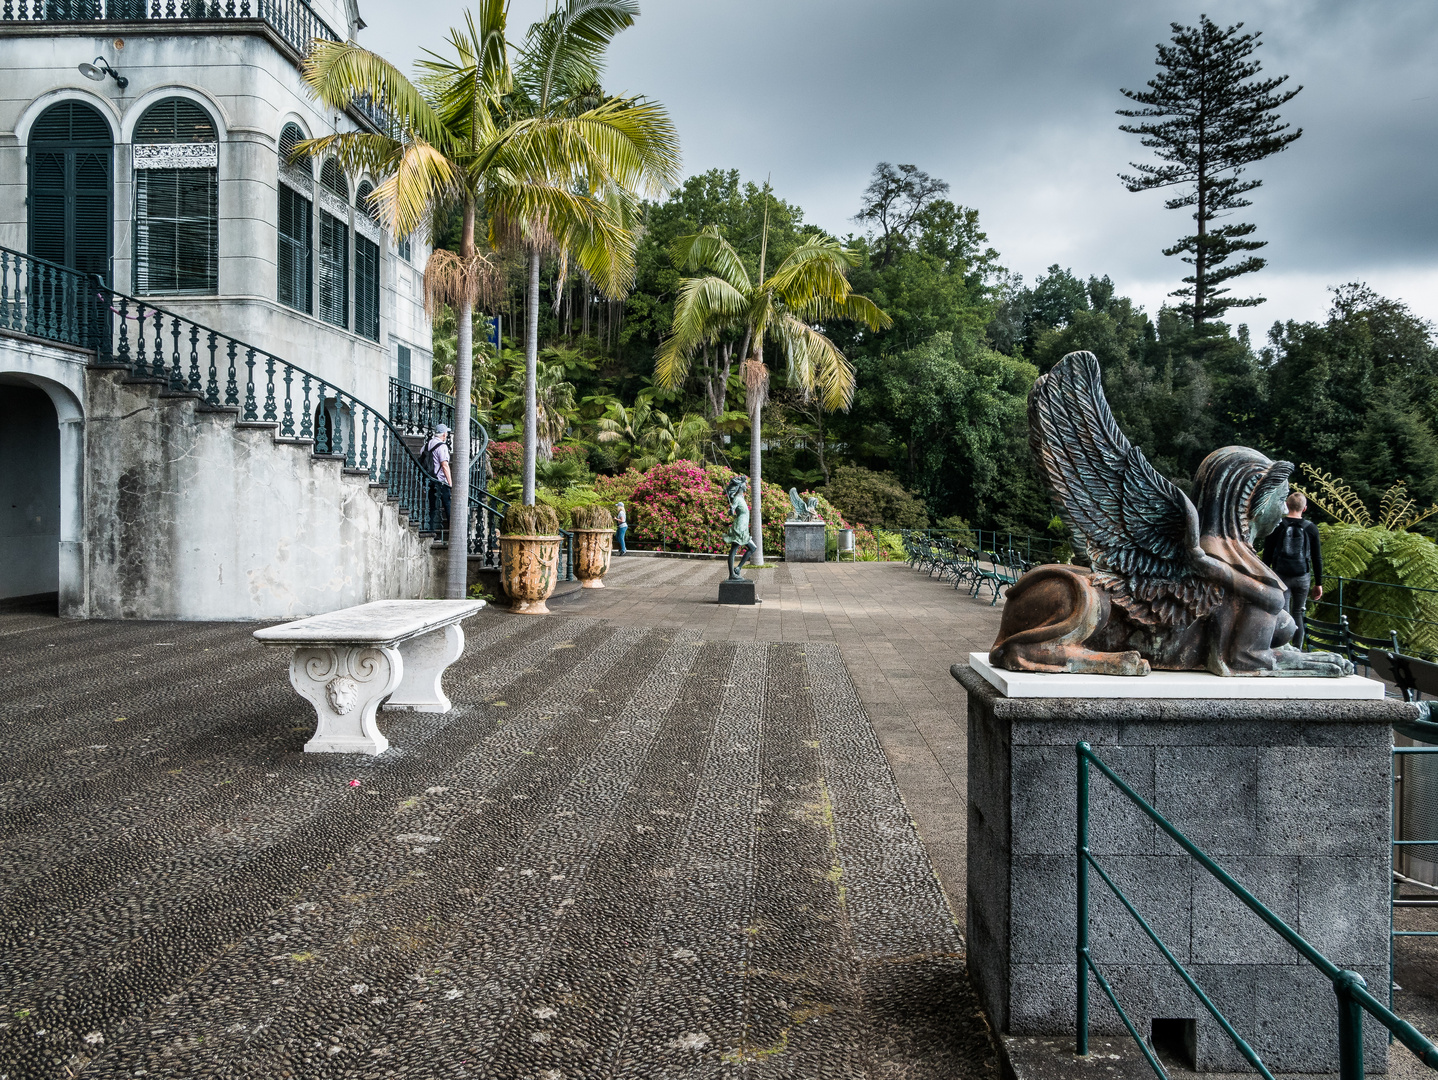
1289, 794
804, 541
737, 592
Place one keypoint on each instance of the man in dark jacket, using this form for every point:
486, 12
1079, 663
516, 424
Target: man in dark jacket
1289, 549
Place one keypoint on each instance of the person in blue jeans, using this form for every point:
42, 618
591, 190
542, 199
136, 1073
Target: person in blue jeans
621, 526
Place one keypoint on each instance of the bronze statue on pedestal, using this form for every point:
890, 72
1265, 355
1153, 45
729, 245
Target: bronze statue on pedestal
1171, 586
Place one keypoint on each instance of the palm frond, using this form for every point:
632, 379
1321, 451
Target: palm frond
709, 250
853, 307
356, 151
423, 177
565, 51
704, 308
340, 71
815, 363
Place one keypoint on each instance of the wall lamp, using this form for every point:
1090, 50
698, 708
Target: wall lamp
99, 69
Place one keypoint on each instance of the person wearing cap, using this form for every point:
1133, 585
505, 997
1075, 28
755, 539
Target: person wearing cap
435, 458
621, 526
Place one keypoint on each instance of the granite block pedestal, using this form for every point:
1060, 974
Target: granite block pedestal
804, 541
737, 592
1290, 795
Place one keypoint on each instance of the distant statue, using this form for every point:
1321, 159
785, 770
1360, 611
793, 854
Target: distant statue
1172, 586
738, 539
804, 509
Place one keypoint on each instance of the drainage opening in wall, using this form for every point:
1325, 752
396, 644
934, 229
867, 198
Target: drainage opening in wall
1175, 1041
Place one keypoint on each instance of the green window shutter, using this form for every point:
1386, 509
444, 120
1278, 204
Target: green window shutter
294, 251
403, 372
334, 270
366, 288
69, 192
47, 204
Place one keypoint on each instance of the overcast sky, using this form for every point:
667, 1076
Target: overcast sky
1013, 104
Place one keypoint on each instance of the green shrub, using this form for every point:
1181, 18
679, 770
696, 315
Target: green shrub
536, 520
876, 499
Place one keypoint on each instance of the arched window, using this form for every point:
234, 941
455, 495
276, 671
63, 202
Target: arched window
70, 156
176, 158
334, 245
366, 264
294, 262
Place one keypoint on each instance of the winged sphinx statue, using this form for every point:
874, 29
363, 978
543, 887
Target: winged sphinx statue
1172, 586
804, 509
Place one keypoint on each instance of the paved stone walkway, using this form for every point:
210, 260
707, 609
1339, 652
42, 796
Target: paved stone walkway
655, 838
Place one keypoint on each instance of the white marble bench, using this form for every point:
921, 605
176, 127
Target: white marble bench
346, 663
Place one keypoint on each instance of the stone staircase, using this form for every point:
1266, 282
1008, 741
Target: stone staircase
193, 513
222, 481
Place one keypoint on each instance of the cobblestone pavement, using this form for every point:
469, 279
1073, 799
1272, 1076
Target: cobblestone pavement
897, 630
654, 838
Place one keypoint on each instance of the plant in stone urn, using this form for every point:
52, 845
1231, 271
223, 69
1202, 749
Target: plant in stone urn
529, 557
593, 540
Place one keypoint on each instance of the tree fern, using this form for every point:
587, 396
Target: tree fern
1391, 583
1335, 498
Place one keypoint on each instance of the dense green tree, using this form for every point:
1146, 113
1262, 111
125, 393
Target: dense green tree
1355, 394
875, 499
950, 404
1207, 118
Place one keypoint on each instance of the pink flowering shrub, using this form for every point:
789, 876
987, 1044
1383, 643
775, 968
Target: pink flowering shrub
506, 458
682, 507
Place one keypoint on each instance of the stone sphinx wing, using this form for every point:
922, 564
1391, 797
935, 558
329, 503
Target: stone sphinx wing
1141, 531
797, 503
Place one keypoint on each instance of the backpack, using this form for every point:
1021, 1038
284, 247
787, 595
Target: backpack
1294, 547
426, 456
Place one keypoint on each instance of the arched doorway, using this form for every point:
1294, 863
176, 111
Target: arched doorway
30, 528
70, 188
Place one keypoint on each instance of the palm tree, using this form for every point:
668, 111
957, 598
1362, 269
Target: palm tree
630, 147
645, 434
808, 287
454, 140
554, 406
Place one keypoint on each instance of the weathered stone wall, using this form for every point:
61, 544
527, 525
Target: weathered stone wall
1290, 797
191, 516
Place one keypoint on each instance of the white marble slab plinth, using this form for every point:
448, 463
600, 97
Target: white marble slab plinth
1172, 684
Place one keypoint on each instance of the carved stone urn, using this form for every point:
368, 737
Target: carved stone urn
591, 556
528, 571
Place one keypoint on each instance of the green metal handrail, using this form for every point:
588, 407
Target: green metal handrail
1348, 986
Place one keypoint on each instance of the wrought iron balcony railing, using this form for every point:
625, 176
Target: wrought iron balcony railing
293, 20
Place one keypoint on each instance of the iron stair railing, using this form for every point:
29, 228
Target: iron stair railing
55, 303
418, 410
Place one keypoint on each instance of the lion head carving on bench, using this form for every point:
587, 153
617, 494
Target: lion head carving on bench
1171, 586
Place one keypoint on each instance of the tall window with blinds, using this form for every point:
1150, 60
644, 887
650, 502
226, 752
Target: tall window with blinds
367, 236
294, 259
175, 153
293, 255
334, 245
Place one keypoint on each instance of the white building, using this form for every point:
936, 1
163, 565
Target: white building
162, 167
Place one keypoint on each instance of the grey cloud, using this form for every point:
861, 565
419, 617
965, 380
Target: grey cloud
1013, 103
